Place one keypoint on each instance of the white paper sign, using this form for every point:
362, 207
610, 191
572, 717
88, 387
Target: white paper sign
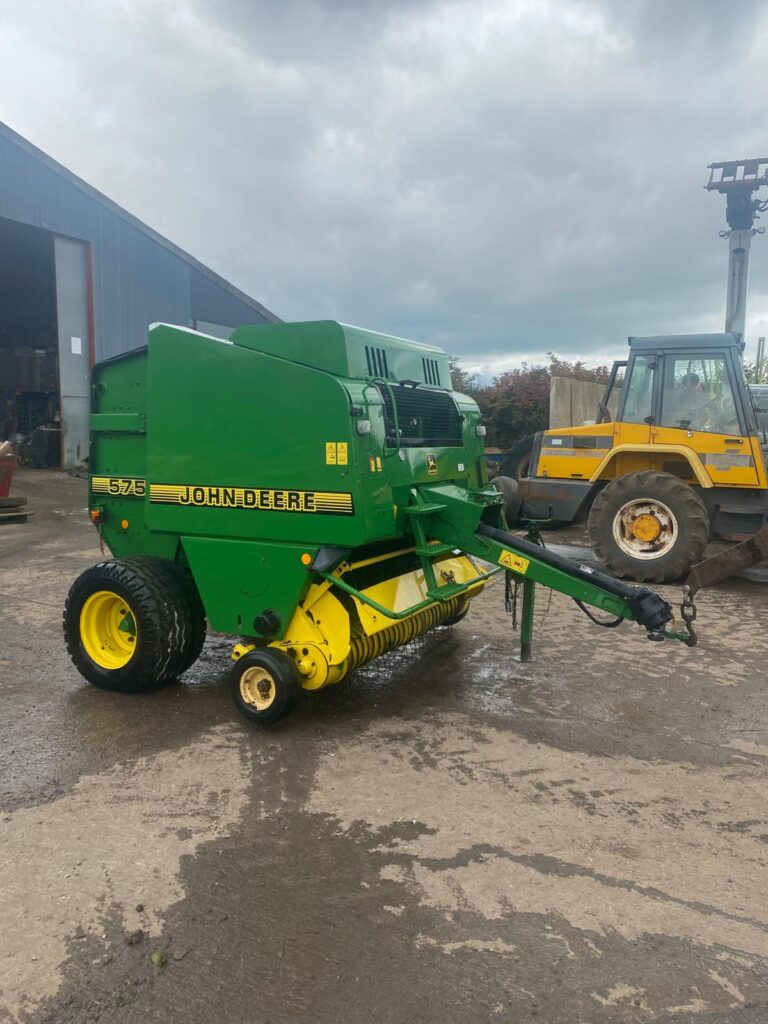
77, 346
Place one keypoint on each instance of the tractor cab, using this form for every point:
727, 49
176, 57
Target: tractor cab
691, 383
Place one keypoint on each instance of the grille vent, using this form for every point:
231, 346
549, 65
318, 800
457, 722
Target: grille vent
426, 418
431, 371
376, 359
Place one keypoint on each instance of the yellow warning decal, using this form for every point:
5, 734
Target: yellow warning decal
514, 562
330, 453
119, 486
261, 499
342, 453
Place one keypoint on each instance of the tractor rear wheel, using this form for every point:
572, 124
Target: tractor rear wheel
507, 488
649, 526
517, 460
265, 685
128, 624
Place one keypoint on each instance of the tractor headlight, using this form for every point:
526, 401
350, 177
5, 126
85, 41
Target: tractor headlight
480, 431
363, 426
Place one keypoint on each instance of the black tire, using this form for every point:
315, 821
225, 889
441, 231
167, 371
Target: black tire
673, 557
154, 597
190, 608
518, 459
277, 672
195, 613
507, 488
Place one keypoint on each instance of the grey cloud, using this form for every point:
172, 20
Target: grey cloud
503, 178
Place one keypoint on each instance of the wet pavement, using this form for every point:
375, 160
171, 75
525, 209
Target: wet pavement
446, 836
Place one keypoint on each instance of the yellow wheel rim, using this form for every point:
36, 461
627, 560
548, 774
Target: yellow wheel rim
257, 688
108, 630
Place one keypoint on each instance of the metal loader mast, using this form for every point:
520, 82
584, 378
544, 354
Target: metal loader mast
737, 180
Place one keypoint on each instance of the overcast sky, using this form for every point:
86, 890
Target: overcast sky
502, 178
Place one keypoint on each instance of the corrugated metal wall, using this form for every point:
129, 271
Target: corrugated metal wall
138, 277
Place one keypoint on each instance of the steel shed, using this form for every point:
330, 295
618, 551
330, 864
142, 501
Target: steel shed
81, 279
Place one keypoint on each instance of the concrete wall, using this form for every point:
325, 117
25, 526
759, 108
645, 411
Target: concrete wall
571, 402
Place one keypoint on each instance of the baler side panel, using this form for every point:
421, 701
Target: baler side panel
239, 580
118, 458
253, 446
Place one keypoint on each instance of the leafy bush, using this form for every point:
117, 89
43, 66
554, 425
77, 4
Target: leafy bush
516, 402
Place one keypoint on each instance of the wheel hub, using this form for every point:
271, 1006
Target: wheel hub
257, 688
645, 528
108, 630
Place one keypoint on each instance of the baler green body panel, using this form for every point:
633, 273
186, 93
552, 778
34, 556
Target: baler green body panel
349, 352
247, 454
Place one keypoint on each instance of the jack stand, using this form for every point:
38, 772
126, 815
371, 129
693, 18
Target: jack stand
526, 622
533, 534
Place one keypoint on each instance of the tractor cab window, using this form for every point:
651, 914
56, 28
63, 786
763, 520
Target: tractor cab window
698, 395
638, 406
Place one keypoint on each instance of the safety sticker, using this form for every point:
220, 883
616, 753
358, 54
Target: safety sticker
516, 563
431, 464
119, 486
341, 449
330, 453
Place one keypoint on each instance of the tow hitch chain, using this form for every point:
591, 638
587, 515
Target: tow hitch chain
688, 614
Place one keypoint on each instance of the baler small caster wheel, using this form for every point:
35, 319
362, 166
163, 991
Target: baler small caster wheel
265, 685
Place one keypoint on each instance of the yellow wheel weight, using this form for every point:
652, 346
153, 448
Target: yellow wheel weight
108, 630
646, 528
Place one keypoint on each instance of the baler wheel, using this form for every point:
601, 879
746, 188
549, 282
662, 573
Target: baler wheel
127, 625
194, 613
265, 685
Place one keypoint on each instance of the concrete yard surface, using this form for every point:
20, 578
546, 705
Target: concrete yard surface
447, 836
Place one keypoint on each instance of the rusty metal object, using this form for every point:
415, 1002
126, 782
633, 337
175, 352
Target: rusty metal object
729, 562
688, 613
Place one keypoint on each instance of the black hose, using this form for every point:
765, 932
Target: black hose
645, 605
605, 623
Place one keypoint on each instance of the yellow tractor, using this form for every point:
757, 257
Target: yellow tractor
680, 463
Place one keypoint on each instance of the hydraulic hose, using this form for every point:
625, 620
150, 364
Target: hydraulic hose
646, 607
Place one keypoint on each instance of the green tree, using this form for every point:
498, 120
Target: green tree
463, 382
516, 402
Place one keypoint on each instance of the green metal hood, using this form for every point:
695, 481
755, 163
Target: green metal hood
348, 351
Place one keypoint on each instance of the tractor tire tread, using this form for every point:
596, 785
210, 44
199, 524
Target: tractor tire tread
517, 459
692, 517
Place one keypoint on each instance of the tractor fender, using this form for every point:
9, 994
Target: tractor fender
693, 460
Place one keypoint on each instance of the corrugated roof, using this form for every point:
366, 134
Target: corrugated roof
27, 147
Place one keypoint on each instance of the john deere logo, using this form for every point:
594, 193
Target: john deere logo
431, 464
